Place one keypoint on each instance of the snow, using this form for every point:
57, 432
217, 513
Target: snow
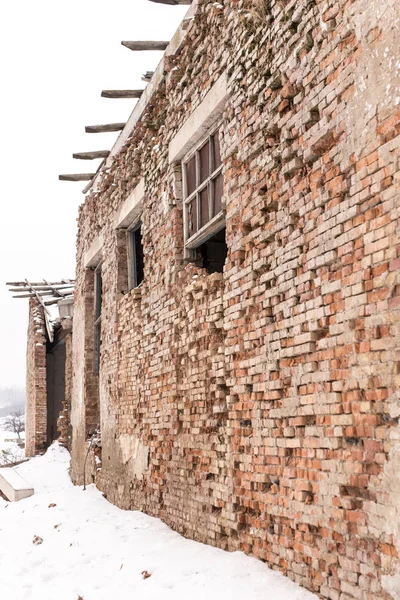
14, 479
93, 549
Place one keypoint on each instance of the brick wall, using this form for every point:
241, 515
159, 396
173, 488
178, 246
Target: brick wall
84, 382
64, 420
36, 398
258, 409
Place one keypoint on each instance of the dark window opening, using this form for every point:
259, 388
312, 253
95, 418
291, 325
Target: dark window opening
214, 252
55, 385
98, 296
136, 257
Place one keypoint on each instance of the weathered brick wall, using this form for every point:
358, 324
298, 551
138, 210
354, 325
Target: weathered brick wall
258, 409
64, 420
84, 416
36, 397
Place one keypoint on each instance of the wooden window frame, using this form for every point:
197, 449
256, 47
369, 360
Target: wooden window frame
98, 301
133, 282
216, 222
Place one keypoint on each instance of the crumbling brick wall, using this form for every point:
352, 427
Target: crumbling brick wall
36, 397
258, 409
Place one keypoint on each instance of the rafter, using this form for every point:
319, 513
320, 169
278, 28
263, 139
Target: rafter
41, 294
104, 128
145, 45
91, 155
121, 93
70, 282
172, 2
77, 177
39, 289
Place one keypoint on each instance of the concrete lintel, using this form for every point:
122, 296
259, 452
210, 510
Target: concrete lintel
200, 121
94, 254
130, 208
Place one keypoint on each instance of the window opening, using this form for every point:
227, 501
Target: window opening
98, 295
214, 252
204, 185
136, 257
204, 218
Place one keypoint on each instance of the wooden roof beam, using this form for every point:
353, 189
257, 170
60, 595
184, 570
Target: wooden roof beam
173, 2
104, 128
70, 282
91, 155
148, 45
121, 93
77, 177
32, 295
23, 283
41, 288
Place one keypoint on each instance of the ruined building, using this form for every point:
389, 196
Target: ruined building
49, 364
237, 304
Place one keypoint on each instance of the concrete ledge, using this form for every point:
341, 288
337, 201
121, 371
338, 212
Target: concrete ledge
13, 486
131, 208
94, 254
200, 121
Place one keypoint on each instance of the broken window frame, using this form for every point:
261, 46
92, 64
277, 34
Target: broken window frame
134, 279
98, 300
216, 222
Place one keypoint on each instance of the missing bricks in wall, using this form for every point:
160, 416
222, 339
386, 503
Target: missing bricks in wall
253, 391
258, 13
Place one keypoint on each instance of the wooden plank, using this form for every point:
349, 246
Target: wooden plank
104, 128
77, 177
91, 155
40, 288
121, 93
25, 296
147, 76
173, 2
49, 293
148, 45
24, 284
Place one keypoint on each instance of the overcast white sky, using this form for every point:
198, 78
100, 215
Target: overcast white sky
56, 59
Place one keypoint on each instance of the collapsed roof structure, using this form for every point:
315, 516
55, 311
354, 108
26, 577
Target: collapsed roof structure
49, 344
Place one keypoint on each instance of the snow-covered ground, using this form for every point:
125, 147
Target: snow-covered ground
93, 550
10, 451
